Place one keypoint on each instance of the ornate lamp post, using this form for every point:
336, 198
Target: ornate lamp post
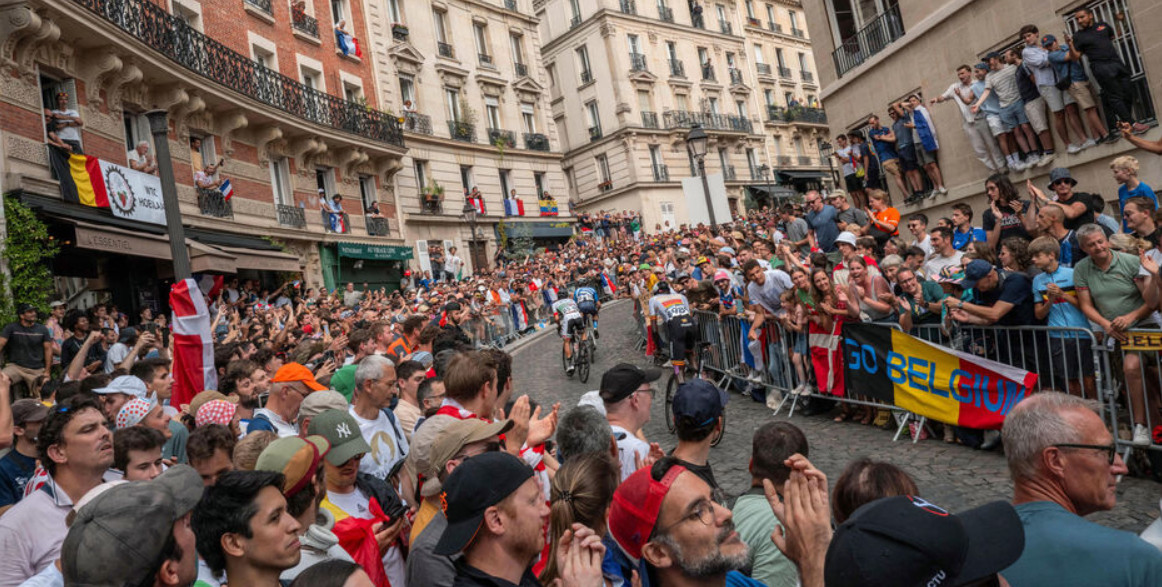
697, 142
159, 127
469, 216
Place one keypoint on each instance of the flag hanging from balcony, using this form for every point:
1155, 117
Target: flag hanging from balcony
548, 207
227, 190
347, 44
514, 207
84, 184
477, 203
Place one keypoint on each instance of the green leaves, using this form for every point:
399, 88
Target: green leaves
28, 251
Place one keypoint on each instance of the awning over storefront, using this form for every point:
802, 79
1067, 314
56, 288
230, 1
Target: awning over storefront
803, 174
775, 191
262, 260
375, 252
109, 239
541, 229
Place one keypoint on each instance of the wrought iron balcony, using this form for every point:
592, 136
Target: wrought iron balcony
776, 113
752, 21
212, 202
629, 6
417, 123
520, 69
650, 119
606, 186
575, 22
784, 71
399, 32
728, 173
377, 226
637, 62
293, 216
661, 172
774, 26
725, 27
725, 122
326, 218
797, 114
804, 160
305, 23
871, 39
586, 77
786, 160
594, 133
535, 141
677, 69
665, 13
808, 77
763, 68
462, 131
431, 204
510, 4
756, 173
505, 138
485, 58
263, 5
798, 32
152, 25
446, 50
708, 72
735, 77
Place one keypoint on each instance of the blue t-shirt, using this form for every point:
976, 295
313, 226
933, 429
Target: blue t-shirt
737, 579
992, 104
886, 150
903, 133
1062, 314
1125, 193
1064, 550
1065, 68
15, 471
823, 223
960, 240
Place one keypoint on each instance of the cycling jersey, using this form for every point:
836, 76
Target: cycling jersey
566, 308
585, 295
669, 306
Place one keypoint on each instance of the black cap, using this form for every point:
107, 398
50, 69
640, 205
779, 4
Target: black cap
452, 307
126, 334
22, 308
905, 541
699, 400
992, 55
623, 379
474, 486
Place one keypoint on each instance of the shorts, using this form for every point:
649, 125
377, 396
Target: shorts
1082, 92
588, 309
683, 335
570, 324
1013, 116
891, 166
1035, 112
854, 182
1055, 98
1072, 357
908, 158
924, 156
801, 347
996, 126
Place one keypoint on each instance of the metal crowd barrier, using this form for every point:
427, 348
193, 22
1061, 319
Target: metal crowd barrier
1134, 391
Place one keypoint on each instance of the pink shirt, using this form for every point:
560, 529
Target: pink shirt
31, 533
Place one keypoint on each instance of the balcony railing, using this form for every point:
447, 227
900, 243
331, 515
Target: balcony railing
804, 160
756, 174
774, 26
677, 69
784, 71
377, 226
871, 39
446, 50
797, 114
485, 58
684, 119
666, 14
586, 77
510, 4
575, 22
786, 160
176, 40
808, 77
292, 216
728, 173
431, 204
725, 27
735, 77
263, 5
629, 6
535, 141
708, 72
752, 21
305, 23
661, 172
417, 123
594, 133
650, 119
763, 68
637, 62
212, 202
505, 138
326, 218
798, 32
399, 32
462, 131
521, 69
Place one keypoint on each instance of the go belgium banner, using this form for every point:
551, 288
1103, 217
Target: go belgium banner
936, 382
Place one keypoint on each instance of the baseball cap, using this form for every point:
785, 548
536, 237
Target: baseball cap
1048, 40
208, 396
982, 65
296, 372
837, 194
55, 304
476, 485
701, 260
699, 400
296, 458
459, 434
126, 333
126, 384
721, 275
974, 272
726, 251
215, 412
452, 307
343, 381
636, 506
321, 401
22, 308
28, 410
992, 55
117, 537
424, 358
342, 431
845, 237
906, 540
623, 379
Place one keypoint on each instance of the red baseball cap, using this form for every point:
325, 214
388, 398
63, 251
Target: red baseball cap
297, 372
636, 506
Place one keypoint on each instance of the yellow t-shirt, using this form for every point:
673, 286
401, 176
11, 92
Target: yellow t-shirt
428, 510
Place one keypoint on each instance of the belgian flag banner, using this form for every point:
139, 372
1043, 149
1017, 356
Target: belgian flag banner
930, 380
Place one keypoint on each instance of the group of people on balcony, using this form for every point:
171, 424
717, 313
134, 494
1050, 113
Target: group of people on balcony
332, 210
63, 126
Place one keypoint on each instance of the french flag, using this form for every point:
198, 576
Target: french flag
520, 318
347, 44
514, 208
193, 343
477, 203
607, 284
227, 189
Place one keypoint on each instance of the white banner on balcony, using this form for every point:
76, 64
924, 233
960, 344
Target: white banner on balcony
133, 195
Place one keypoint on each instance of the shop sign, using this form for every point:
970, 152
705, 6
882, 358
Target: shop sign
375, 252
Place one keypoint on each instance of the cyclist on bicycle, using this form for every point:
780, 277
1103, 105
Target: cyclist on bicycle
586, 298
568, 315
671, 311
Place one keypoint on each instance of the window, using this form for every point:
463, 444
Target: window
518, 51
769, 97
671, 51
407, 88
280, 182
713, 104
730, 60
740, 106
721, 12
799, 147
466, 177
779, 57
504, 184
583, 64
552, 69
594, 115
338, 11
311, 77
492, 111
794, 19
191, 15
770, 13
750, 8
703, 56
758, 53
367, 191
778, 147
723, 158
803, 62
136, 130
682, 102
325, 180
751, 162
264, 58
441, 26
635, 45
352, 92
570, 182
528, 117
644, 103
787, 97
393, 11
539, 182
481, 35
655, 156
452, 103
420, 167
603, 168
575, 7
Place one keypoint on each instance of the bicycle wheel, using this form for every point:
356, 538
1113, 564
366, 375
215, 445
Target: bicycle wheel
671, 389
583, 363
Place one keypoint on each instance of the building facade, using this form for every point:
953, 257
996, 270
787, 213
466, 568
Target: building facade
629, 78
874, 53
274, 91
467, 77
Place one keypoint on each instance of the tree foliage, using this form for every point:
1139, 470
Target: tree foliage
29, 251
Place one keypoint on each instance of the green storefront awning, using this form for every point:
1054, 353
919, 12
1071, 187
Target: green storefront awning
375, 252
561, 229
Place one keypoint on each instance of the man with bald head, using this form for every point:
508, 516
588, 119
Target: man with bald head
1051, 222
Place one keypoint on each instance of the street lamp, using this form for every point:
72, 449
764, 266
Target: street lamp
825, 151
766, 172
469, 216
697, 142
159, 128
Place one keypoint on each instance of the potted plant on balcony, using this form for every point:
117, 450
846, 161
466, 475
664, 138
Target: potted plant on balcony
606, 185
433, 195
399, 30
464, 120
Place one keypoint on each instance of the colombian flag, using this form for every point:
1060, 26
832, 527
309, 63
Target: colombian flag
548, 207
930, 380
83, 184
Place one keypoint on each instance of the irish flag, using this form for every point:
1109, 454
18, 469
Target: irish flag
84, 183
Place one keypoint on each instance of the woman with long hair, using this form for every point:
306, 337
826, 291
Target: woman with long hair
825, 322
581, 493
1007, 215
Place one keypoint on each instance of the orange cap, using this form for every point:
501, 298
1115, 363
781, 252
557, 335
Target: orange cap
296, 372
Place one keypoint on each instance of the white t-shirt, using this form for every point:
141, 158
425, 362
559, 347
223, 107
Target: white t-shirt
767, 294
926, 245
388, 444
68, 133
845, 155
355, 504
135, 157
627, 448
453, 264
116, 354
937, 263
283, 428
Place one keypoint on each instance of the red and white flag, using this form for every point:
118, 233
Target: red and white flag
193, 343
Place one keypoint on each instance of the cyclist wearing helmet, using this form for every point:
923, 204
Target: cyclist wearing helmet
586, 298
568, 315
671, 311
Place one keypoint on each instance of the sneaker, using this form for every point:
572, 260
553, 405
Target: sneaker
596, 333
806, 390
943, 190
1112, 137
1088, 143
570, 370
1045, 159
1139, 128
1141, 435
1017, 166
1030, 161
1073, 149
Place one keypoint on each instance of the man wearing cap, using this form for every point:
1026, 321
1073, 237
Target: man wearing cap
352, 494
17, 467
119, 392
1002, 297
1077, 206
290, 385
460, 441
627, 397
319, 402
135, 532
29, 347
697, 408
1065, 466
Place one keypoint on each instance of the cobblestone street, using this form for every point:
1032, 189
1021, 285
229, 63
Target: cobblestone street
949, 475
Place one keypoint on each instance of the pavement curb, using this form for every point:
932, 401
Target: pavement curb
522, 343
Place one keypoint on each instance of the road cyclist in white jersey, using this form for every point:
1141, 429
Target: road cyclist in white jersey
568, 315
670, 313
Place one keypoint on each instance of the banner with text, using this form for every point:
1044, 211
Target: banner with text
132, 194
936, 382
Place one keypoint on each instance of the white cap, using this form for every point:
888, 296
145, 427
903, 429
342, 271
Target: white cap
845, 237
126, 384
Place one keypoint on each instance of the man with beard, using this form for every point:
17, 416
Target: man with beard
666, 516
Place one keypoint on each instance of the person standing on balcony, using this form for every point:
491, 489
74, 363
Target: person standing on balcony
1095, 41
207, 179
140, 159
883, 142
196, 153
69, 123
853, 169
974, 125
